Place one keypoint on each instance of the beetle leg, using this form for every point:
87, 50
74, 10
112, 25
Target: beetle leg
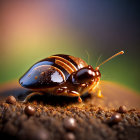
75, 94
94, 87
99, 94
32, 94
79, 99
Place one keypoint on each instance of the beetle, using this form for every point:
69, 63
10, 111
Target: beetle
62, 75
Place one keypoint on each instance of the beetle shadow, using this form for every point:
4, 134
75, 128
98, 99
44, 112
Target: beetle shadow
48, 99
54, 100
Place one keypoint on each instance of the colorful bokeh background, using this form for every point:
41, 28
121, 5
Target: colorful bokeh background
32, 30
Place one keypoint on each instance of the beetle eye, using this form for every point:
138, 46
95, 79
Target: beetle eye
85, 75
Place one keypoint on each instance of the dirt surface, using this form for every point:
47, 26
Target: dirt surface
115, 116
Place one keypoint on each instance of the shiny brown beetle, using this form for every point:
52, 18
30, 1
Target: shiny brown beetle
62, 75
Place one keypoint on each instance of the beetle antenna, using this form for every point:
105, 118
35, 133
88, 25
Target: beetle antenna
98, 60
119, 53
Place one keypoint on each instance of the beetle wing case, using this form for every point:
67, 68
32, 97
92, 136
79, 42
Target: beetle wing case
41, 75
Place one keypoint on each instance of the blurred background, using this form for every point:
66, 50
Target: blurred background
32, 30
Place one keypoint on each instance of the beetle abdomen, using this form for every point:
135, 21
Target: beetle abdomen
74, 62
66, 63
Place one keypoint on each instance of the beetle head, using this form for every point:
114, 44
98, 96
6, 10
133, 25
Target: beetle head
86, 75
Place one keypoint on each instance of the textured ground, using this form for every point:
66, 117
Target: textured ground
62, 118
